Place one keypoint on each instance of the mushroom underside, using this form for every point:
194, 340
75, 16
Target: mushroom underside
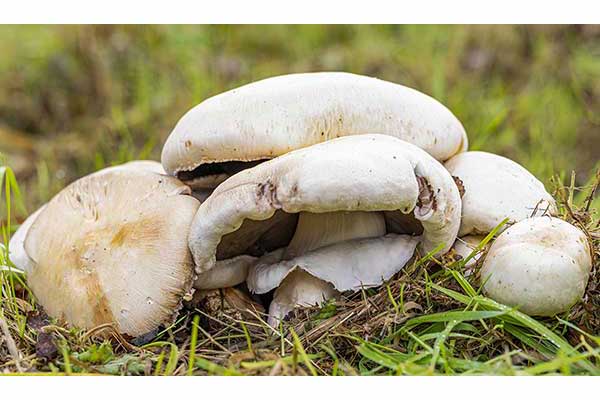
308, 258
210, 175
257, 238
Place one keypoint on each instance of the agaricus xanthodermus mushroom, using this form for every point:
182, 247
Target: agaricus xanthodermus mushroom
540, 265
262, 120
112, 248
354, 199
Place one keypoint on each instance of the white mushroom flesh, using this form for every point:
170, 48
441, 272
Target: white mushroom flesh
540, 265
348, 265
328, 247
352, 174
299, 288
226, 273
318, 230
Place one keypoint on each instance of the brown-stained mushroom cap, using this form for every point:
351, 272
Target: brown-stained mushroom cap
112, 248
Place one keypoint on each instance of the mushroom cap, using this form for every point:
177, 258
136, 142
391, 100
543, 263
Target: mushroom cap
342, 264
356, 173
16, 246
274, 116
540, 264
496, 188
112, 248
144, 165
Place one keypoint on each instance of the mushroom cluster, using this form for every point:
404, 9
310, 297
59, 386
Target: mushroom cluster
301, 186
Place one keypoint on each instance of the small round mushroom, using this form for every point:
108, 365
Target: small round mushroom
496, 188
112, 248
262, 120
540, 265
342, 211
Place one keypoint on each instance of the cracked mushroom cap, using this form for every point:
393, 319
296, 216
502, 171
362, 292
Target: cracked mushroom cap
393, 181
540, 264
112, 248
271, 117
496, 188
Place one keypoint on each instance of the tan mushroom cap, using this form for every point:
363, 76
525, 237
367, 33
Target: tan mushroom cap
349, 174
16, 246
112, 248
496, 188
540, 264
274, 116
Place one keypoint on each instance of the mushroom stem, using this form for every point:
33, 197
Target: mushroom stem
226, 273
299, 288
315, 231
319, 230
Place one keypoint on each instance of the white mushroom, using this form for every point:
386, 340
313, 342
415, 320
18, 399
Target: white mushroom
540, 265
299, 288
496, 188
259, 121
227, 273
348, 193
112, 248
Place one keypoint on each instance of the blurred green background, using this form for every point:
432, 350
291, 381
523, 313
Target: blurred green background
76, 98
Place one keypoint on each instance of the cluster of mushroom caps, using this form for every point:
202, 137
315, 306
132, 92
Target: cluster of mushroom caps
302, 186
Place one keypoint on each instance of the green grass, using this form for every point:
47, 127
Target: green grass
74, 99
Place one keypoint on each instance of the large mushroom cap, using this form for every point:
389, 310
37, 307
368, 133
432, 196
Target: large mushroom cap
16, 247
112, 248
496, 188
540, 264
373, 173
268, 118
